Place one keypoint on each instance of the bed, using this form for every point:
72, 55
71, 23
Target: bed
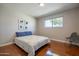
30, 43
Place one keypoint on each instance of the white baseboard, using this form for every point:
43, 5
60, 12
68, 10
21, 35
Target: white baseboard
65, 42
51, 39
60, 40
6, 44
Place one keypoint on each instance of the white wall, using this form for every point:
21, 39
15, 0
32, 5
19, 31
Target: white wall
9, 23
78, 20
71, 21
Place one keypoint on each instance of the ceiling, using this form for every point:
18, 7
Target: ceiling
35, 10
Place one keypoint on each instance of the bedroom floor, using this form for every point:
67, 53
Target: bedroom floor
59, 48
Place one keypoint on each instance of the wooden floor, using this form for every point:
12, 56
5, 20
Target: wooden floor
59, 48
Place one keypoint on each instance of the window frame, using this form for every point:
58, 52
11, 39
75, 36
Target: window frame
52, 22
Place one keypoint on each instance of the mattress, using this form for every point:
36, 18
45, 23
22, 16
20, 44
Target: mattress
31, 43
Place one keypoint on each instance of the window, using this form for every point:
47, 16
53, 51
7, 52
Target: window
48, 23
55, 22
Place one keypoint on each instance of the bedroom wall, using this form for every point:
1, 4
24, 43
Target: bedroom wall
9, 23
71, 21
77, 21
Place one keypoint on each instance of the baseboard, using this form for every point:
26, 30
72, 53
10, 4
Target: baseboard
65, 42
60, 40
6, 44
51, 39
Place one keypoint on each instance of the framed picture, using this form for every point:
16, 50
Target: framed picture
26, 22
25, 27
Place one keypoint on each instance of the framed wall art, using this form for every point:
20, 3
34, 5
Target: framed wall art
22, 24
